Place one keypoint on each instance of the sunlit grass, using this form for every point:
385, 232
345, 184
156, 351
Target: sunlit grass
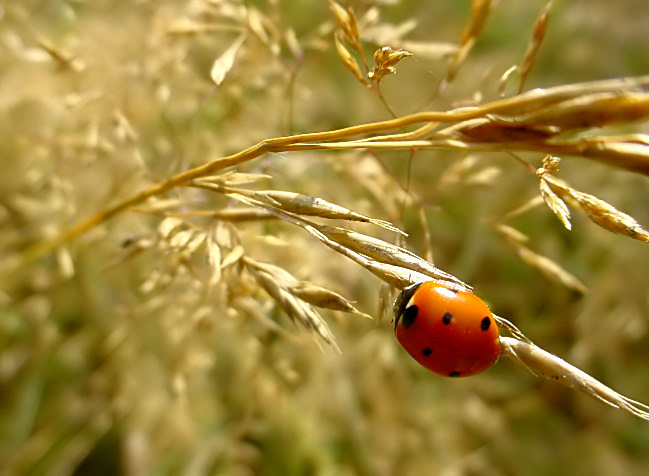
161, 315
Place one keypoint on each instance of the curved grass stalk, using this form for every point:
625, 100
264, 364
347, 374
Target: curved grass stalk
630, 155
542, 363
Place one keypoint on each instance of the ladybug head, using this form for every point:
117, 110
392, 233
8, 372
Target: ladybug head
402, 300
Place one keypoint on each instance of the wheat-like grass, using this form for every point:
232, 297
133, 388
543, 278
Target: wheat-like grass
162, 310
527, 122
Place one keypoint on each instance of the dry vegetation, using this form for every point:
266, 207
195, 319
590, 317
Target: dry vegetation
168, 306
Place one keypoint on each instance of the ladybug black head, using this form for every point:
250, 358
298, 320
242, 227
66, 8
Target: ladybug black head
402, 300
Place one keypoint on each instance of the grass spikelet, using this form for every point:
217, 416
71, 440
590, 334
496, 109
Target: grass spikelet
546, 266
511, 233
385, 60
551, 269
346, 22
214, 258
63, 58
511, 328
234, 255
540, 362
558, 206
236, 179
223, 64
168, 225
524, 208
480, 13
324, 298
348, 60
276, 282
388, 253
538, 34
302, 204
395, 275
599, 211
609, 217
309, 205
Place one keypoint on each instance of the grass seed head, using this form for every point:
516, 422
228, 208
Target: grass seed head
598, 211
558, 206
538, 34
385, 60
542, 363
276, 282
609, 217
348, 60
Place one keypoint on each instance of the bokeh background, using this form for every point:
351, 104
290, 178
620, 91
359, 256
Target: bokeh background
121, 362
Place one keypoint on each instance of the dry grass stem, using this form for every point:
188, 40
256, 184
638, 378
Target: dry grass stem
540, 362
516, 134
384, 252
546, 266
300, 204
395, 275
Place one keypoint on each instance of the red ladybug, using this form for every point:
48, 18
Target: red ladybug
451, 332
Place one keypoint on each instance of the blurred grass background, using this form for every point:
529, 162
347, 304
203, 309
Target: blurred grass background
99, 375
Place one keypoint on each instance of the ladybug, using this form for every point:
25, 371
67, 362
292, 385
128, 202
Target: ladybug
447, 330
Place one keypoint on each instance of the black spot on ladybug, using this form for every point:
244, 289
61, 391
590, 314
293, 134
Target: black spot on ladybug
485, 323
454, 291
409, 316
446, 318
454, 374
427, 351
